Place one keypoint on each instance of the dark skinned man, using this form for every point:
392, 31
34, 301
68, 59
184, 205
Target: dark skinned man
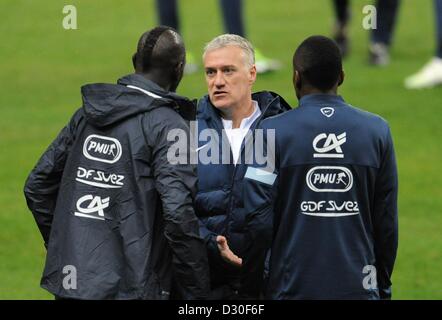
331, 204
116, 216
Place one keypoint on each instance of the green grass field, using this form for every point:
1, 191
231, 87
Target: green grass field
42, 67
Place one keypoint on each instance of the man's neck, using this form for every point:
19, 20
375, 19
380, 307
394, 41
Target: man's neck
159, 78
309, 91
237, 114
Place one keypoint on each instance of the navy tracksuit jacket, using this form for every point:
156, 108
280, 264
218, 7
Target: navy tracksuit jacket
333, 200
219, 201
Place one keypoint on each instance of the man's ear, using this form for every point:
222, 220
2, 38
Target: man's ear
179, 68
253, 74
176, 74
134, 61
297, 81
341, 77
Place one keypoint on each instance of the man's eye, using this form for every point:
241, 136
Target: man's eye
228, 70
210, 72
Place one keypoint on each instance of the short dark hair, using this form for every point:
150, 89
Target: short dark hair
319, 62
161, 47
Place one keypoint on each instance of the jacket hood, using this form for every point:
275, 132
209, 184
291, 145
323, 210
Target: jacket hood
270, 103
105, 104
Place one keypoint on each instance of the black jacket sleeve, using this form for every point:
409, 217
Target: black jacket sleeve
209, 238
176, 185
385, 218
42, 185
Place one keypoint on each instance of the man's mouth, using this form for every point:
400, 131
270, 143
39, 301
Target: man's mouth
219, 93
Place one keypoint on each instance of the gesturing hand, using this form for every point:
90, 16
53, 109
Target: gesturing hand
226, 253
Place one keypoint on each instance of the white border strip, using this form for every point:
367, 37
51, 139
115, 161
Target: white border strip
323, 214
260, 175
78, 214
150, 94
97, 184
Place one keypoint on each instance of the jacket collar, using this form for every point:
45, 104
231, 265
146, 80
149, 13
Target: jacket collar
140, 82
269, 102
185, 107
321, 99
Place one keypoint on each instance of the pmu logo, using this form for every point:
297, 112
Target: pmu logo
90, 206
103, 149
329, 179
331, 147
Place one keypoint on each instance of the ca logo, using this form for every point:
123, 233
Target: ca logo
95, 208
331, 143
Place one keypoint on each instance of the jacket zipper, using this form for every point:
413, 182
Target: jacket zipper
231, 204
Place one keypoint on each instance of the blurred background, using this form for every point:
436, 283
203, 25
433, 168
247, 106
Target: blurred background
42, 67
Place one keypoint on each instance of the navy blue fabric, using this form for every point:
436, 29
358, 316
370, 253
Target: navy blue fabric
438, 13
315, 255
219, 203
168, 13
387, 15
232, 15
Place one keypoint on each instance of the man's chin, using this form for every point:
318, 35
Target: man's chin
220, 103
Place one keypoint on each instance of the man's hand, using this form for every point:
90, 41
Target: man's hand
226, 253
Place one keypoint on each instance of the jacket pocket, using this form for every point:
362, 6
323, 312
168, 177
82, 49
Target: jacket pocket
211, 203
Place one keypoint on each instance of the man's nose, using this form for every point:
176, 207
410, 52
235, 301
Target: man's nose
219, 79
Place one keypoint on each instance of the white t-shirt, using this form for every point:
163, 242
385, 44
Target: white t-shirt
237, 135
